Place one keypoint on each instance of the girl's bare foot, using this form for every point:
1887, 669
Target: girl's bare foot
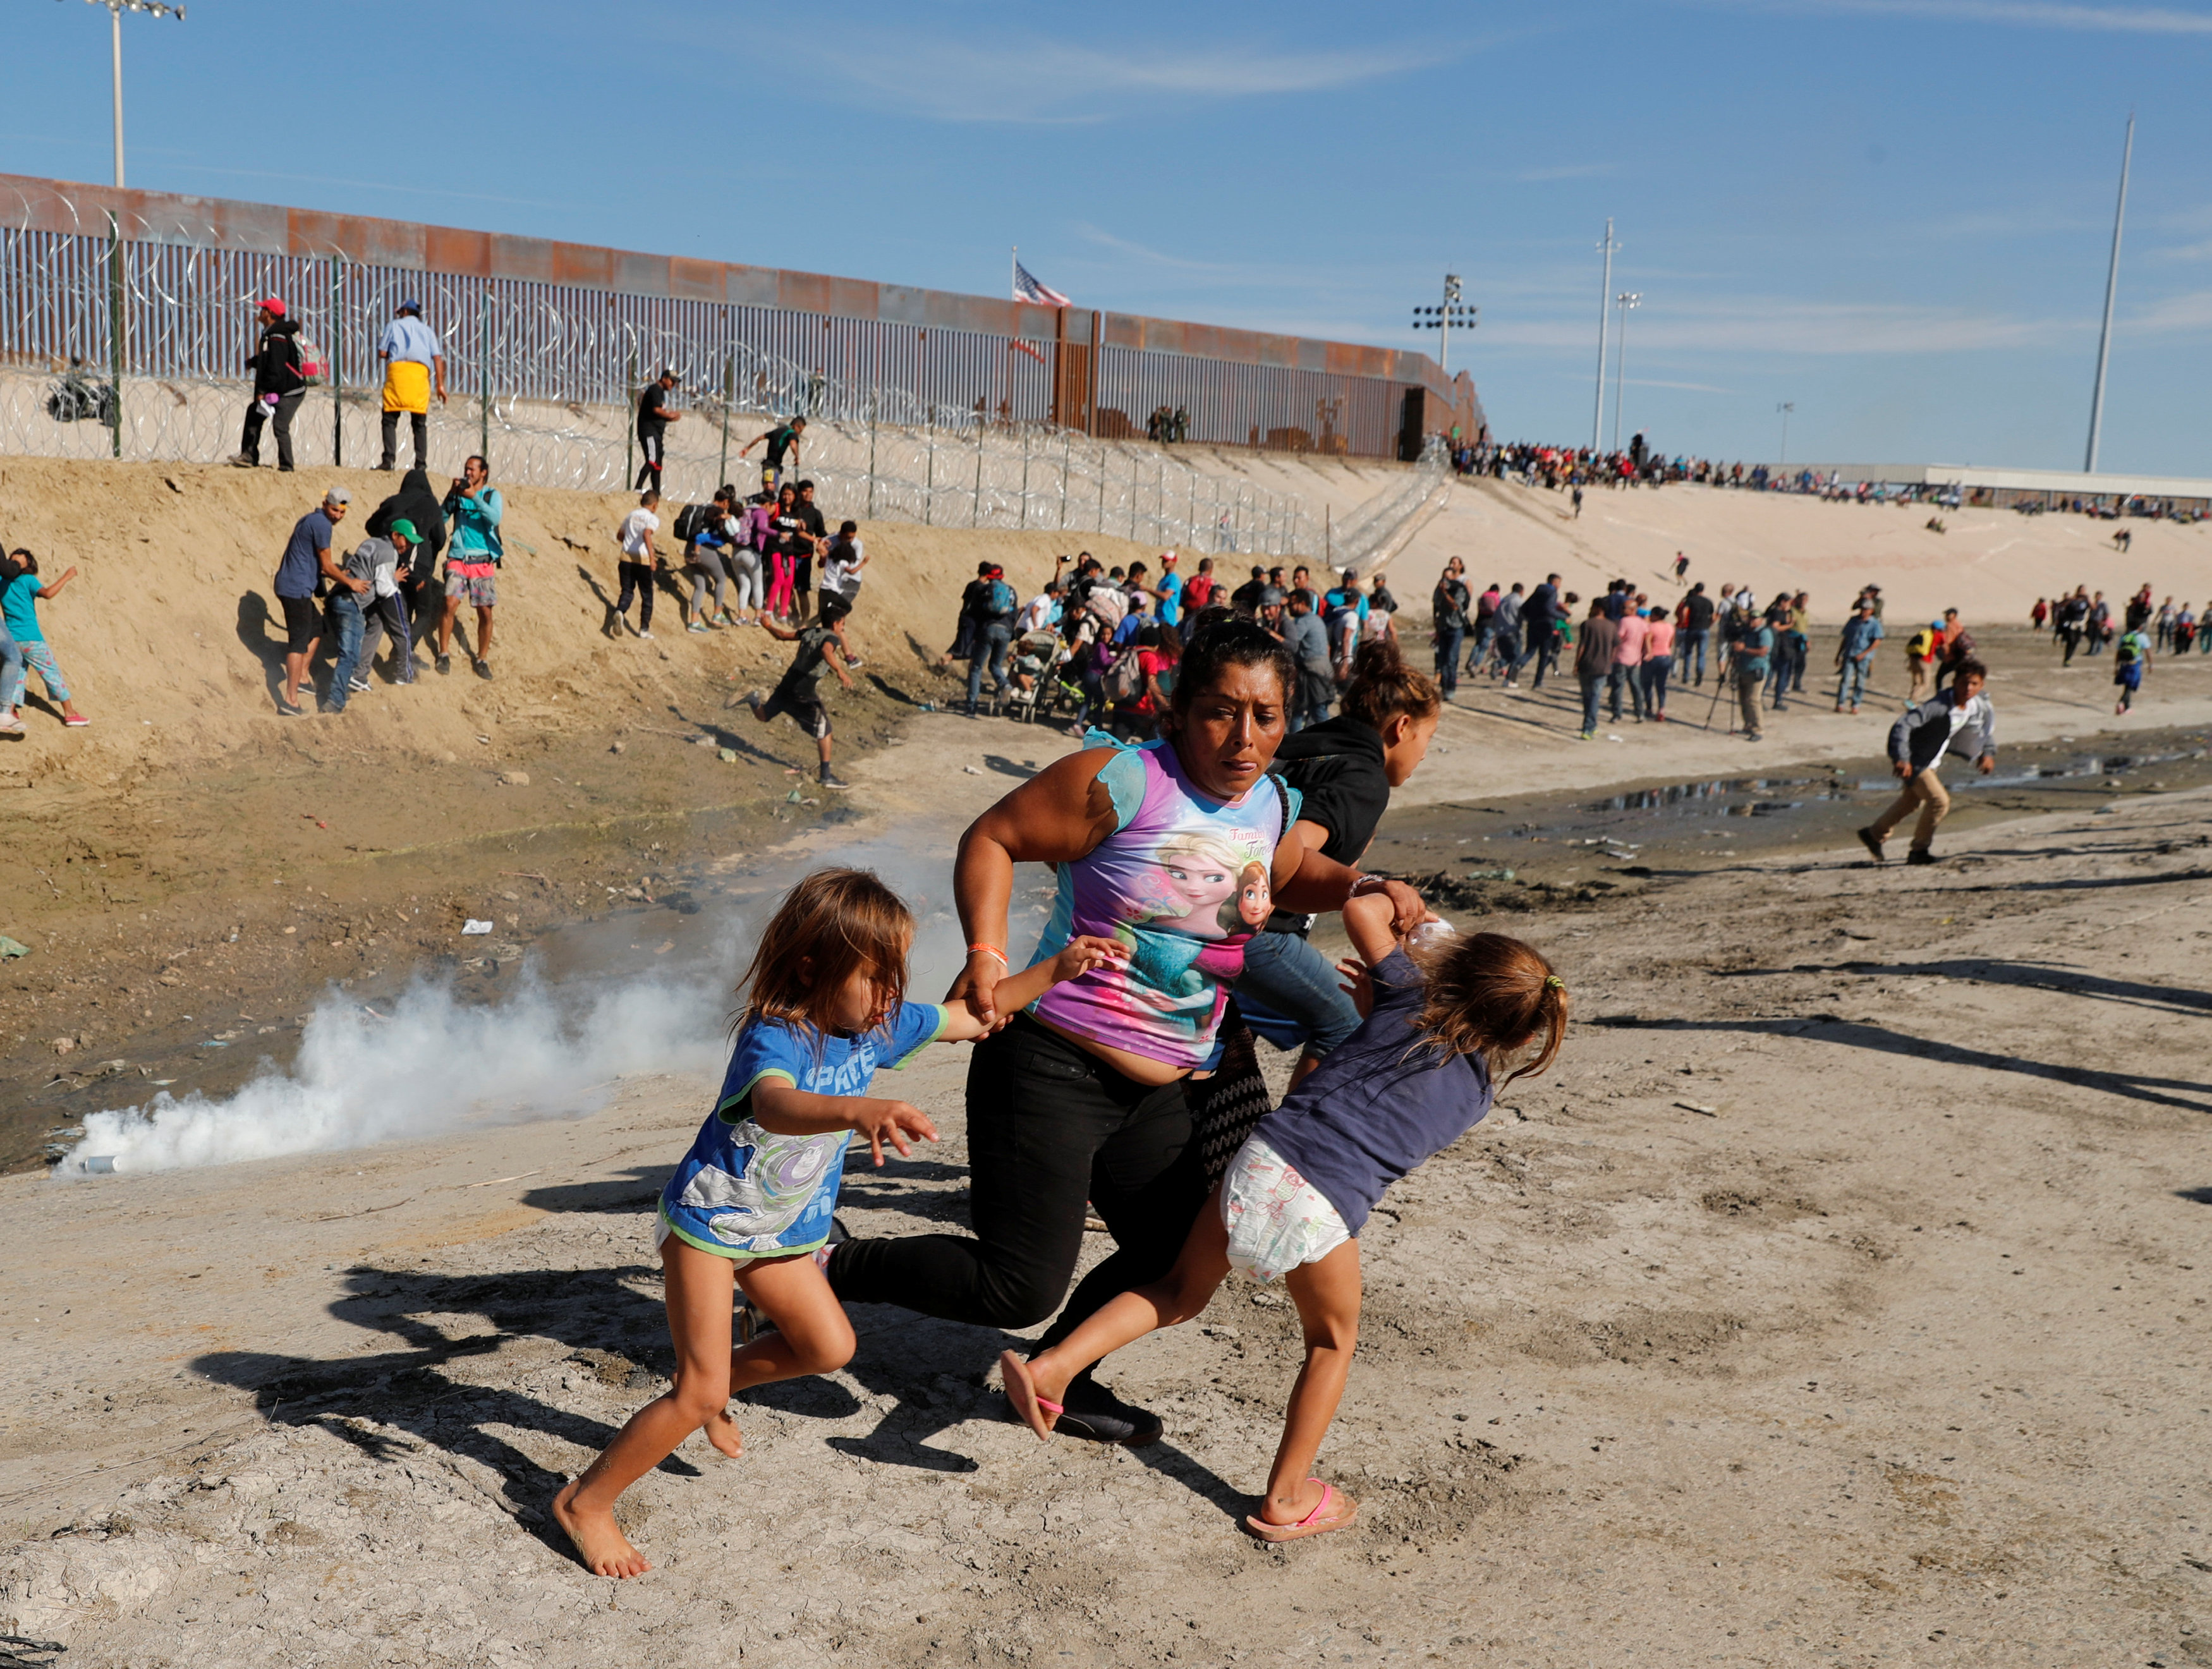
597, 1540
722, 1432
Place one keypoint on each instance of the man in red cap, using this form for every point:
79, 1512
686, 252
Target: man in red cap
280, 384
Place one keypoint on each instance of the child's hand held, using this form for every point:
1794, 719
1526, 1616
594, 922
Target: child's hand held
1085, 952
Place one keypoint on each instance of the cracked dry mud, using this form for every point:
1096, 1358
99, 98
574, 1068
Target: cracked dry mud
1894, 1357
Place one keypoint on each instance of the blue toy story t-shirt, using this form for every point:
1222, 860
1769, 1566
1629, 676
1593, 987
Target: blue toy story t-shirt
743, 1191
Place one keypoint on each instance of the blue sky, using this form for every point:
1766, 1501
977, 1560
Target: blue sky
1893, 213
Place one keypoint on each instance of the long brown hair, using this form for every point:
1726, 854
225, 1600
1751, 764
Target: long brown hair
833, 924
1383, 686
1491, 996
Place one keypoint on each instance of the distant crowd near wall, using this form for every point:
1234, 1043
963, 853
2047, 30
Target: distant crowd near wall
126, 320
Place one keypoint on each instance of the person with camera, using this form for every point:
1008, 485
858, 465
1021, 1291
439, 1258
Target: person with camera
473, 506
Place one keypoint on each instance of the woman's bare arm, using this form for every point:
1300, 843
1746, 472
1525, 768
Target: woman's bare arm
1058, 815
1305, 880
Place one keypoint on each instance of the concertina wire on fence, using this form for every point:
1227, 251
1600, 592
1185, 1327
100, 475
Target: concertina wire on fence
545, 389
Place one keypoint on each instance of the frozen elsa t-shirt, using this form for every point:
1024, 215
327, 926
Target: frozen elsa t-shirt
1183, 881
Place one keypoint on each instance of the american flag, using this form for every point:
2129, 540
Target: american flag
1027, 288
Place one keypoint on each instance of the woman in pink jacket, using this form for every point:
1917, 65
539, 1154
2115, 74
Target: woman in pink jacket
1658, 662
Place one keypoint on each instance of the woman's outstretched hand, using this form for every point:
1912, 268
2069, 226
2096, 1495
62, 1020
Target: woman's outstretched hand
976, 985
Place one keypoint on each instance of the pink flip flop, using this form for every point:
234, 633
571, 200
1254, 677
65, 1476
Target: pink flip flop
78, 723
1318, 1522
1022, 1392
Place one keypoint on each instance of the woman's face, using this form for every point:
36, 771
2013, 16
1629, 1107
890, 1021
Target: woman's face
1227, 738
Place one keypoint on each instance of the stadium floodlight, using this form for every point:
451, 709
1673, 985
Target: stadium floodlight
1627, 301
1442, 319
115, 10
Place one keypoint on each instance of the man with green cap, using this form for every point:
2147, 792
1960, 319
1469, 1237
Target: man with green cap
385, 610
372, 580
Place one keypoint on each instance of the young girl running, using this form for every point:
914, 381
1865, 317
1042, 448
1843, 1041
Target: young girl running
1443, 1014
751, 1201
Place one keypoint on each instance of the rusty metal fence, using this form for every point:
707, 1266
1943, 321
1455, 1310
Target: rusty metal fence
130, 341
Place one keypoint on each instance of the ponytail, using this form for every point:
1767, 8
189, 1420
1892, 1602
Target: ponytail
1494, 997
1383, 686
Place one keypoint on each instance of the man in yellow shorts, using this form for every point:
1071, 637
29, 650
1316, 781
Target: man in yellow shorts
412, 357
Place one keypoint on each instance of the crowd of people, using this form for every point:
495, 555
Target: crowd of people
1102, 644
1573, 468
2081, 622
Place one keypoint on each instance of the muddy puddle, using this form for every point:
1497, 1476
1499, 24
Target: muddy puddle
686, 931
1647, 829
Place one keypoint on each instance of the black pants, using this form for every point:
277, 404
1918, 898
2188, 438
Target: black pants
420, 420
636, 580
654, 447
1049, 1127
249, 444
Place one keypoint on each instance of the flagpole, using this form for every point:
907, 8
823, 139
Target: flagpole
1013, 271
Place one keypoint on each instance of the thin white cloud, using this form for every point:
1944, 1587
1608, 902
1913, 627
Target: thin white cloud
2031, 14
1694, 388
2184, 314
1772, 325
1766, 324
1040, 80
1105, 240
1567, 171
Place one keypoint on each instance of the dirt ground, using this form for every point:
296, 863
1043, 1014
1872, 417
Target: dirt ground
1674, 1359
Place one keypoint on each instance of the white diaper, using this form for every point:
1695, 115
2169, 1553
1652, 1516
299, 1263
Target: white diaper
1276, 1219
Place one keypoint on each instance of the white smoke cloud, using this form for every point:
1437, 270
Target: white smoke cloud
434, 1066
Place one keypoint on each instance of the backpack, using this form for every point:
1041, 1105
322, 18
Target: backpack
1920, 645
691, 521
1125, 679
999, 598
307, 360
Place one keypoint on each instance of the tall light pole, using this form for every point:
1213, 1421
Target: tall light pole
1442, 319
115, 10
1785, 407
1627, 301
1604, 312
2112, 287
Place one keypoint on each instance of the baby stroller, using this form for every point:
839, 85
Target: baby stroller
1036, 661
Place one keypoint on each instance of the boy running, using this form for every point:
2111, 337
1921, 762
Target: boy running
2131, 659
1960, 720
799, 692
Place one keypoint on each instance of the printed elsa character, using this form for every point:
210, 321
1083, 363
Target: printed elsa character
1196, 874
1185, 978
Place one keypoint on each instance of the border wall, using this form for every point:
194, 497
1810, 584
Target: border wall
108, 288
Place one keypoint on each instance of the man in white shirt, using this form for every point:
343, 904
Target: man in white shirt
1043, 608
636, 566
412, 357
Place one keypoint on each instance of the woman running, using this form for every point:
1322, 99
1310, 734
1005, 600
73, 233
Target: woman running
1175, 848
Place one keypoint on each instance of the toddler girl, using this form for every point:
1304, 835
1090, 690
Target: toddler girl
1443, 1013
750, 1203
